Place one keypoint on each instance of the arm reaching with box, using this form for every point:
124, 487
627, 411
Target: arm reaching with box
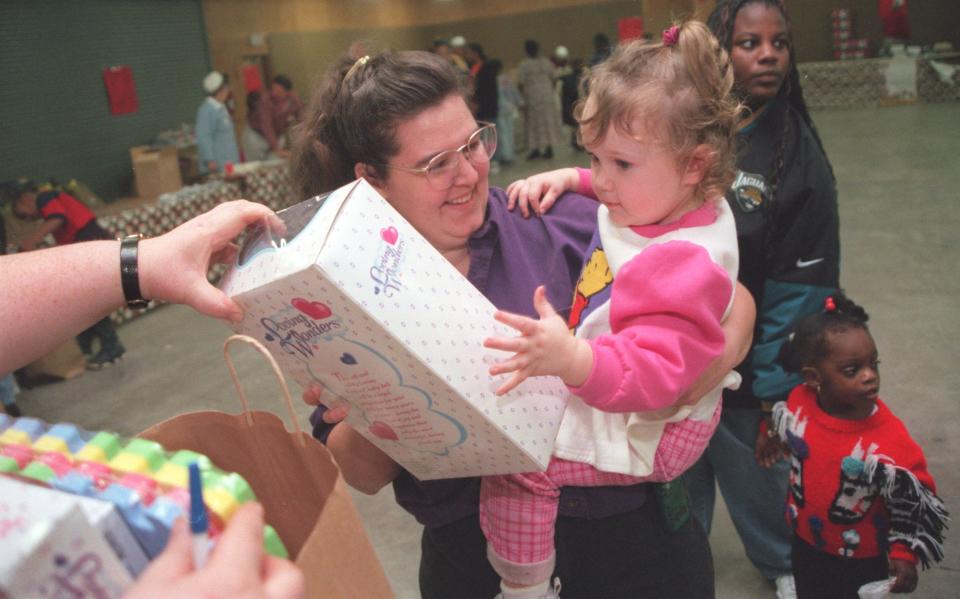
81, 282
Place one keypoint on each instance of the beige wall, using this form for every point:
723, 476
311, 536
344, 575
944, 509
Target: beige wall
229, 23
239, 18
303, 55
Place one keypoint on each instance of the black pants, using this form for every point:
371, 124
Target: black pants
820, 575
627, 556
103, 331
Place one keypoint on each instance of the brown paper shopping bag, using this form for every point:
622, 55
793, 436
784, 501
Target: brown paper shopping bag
304, 497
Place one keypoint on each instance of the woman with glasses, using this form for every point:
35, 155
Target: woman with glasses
400, 121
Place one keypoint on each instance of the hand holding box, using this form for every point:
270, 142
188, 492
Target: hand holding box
356, 301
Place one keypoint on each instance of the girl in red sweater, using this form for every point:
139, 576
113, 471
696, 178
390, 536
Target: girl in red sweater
861, 502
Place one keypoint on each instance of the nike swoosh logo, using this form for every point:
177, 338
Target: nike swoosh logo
805, 263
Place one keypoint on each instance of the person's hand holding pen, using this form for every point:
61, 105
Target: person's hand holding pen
238, 568
199, 524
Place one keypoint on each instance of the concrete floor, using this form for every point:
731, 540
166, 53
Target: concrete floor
898, 179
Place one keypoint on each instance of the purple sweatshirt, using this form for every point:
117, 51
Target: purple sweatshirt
509, 257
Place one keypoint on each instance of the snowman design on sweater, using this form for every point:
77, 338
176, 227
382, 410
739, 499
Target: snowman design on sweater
859, 488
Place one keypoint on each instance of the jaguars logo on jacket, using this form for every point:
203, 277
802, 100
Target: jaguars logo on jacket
750, 190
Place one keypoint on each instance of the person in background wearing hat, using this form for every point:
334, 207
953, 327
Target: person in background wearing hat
458, 49
69, 221
216, 141
273, 115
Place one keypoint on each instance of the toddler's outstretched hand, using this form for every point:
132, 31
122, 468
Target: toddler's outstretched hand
545, 347
541, 191
905, 574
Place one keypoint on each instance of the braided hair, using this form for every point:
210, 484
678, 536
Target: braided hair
808, 342
721, 22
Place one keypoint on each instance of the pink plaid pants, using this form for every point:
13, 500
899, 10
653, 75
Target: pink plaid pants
518, 511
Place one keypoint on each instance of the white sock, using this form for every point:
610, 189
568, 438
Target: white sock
532, 592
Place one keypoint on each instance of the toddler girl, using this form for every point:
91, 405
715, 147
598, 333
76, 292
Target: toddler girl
658, 279
861, 502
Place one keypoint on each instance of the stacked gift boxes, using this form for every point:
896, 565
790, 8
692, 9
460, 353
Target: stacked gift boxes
845, 45
148, 485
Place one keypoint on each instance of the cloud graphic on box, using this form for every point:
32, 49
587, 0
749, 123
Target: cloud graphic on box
381, 401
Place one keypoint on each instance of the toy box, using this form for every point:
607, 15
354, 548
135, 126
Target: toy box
355, 300
146, 484
54, 545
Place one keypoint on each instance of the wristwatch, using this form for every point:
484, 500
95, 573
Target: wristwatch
130, 272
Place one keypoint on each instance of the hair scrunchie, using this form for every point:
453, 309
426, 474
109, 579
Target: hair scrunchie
671, 36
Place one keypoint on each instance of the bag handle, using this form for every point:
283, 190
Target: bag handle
276, 371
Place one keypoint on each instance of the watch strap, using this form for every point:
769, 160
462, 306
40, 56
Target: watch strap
130, 272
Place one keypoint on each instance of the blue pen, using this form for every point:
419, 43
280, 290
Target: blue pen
198, 518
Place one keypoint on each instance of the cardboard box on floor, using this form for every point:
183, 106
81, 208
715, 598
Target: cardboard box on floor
156, 170
66, 361
356, 301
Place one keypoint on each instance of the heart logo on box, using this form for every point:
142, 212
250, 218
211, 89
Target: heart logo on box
315, 310
389, 234
384, 431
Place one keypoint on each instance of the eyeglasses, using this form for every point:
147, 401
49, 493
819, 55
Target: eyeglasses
442, 170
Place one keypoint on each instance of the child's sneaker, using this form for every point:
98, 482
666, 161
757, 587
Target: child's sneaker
106, 357
786, 587
535, 592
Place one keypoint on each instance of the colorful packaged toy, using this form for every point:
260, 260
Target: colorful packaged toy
147, 485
